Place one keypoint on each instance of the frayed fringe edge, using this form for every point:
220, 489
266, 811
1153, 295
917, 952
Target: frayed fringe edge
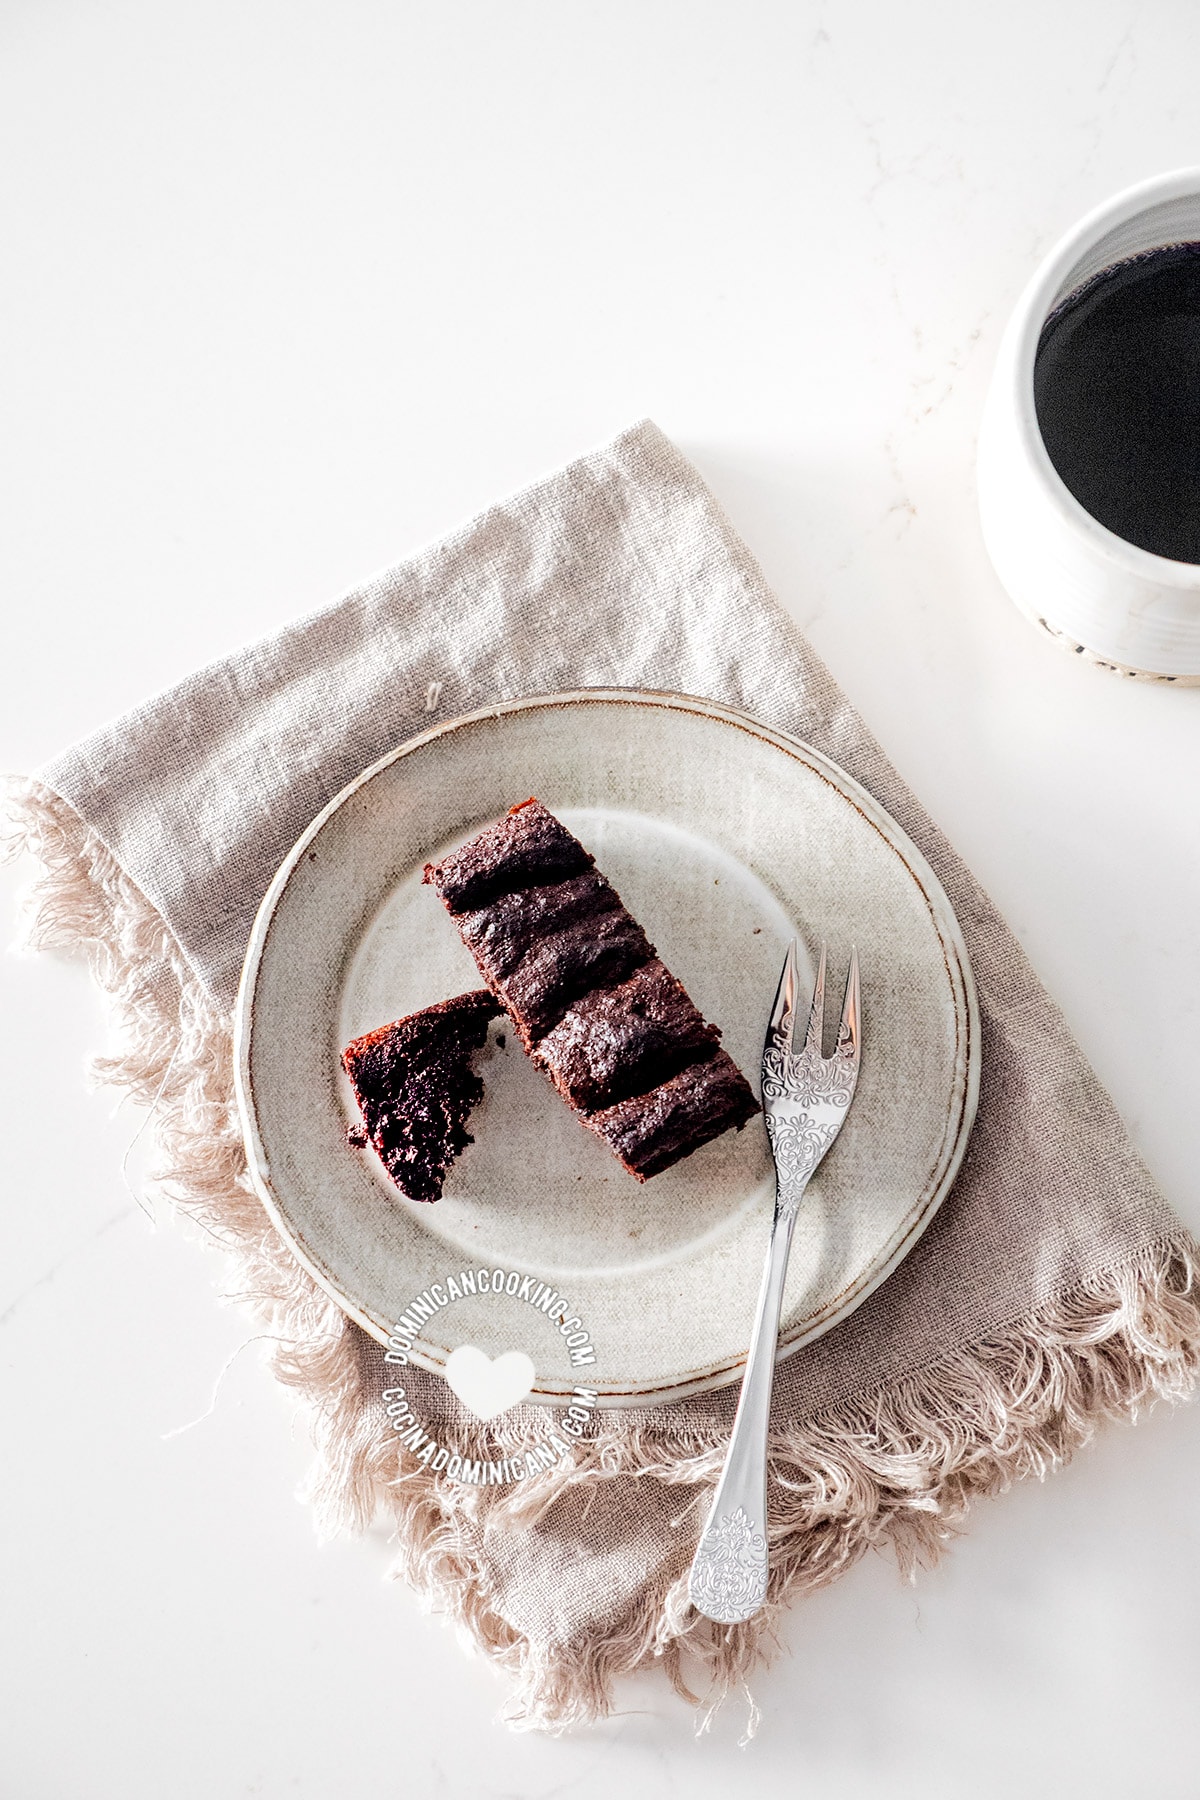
897, 1469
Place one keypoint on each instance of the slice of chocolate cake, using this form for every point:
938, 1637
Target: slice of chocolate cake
590, 1000
416, 1089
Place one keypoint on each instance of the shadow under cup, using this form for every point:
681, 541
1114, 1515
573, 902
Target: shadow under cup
1104, 598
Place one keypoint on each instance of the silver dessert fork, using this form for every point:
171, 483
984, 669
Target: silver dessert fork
806, 1096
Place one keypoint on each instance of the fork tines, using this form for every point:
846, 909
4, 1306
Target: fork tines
783, 1030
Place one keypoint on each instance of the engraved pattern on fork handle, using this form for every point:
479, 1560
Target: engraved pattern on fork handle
728, 1579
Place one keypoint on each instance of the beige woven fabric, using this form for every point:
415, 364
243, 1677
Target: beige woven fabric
1054, 1284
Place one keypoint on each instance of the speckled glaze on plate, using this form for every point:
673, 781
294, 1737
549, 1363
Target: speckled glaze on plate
722, 837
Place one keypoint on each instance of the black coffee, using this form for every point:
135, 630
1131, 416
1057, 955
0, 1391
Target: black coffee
1117, 389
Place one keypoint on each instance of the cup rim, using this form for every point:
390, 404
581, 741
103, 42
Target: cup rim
1031, 312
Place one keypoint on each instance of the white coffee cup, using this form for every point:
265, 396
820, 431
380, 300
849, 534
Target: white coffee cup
1102, 597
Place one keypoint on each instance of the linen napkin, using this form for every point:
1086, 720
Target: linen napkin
1054, 1287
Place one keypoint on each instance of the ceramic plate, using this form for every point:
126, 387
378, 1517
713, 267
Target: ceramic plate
723, 838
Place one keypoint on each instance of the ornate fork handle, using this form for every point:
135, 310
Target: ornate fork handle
728, 1581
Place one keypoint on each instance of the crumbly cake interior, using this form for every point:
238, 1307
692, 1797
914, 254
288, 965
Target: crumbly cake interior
587, 994
416, 1089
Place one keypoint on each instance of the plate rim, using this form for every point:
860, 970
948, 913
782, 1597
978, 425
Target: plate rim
945, 920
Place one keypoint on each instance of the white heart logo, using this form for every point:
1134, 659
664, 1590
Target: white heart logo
486, 1387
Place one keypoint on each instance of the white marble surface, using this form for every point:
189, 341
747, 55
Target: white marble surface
293, 288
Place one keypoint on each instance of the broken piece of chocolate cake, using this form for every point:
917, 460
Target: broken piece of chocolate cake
593, 1005
416, 1089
